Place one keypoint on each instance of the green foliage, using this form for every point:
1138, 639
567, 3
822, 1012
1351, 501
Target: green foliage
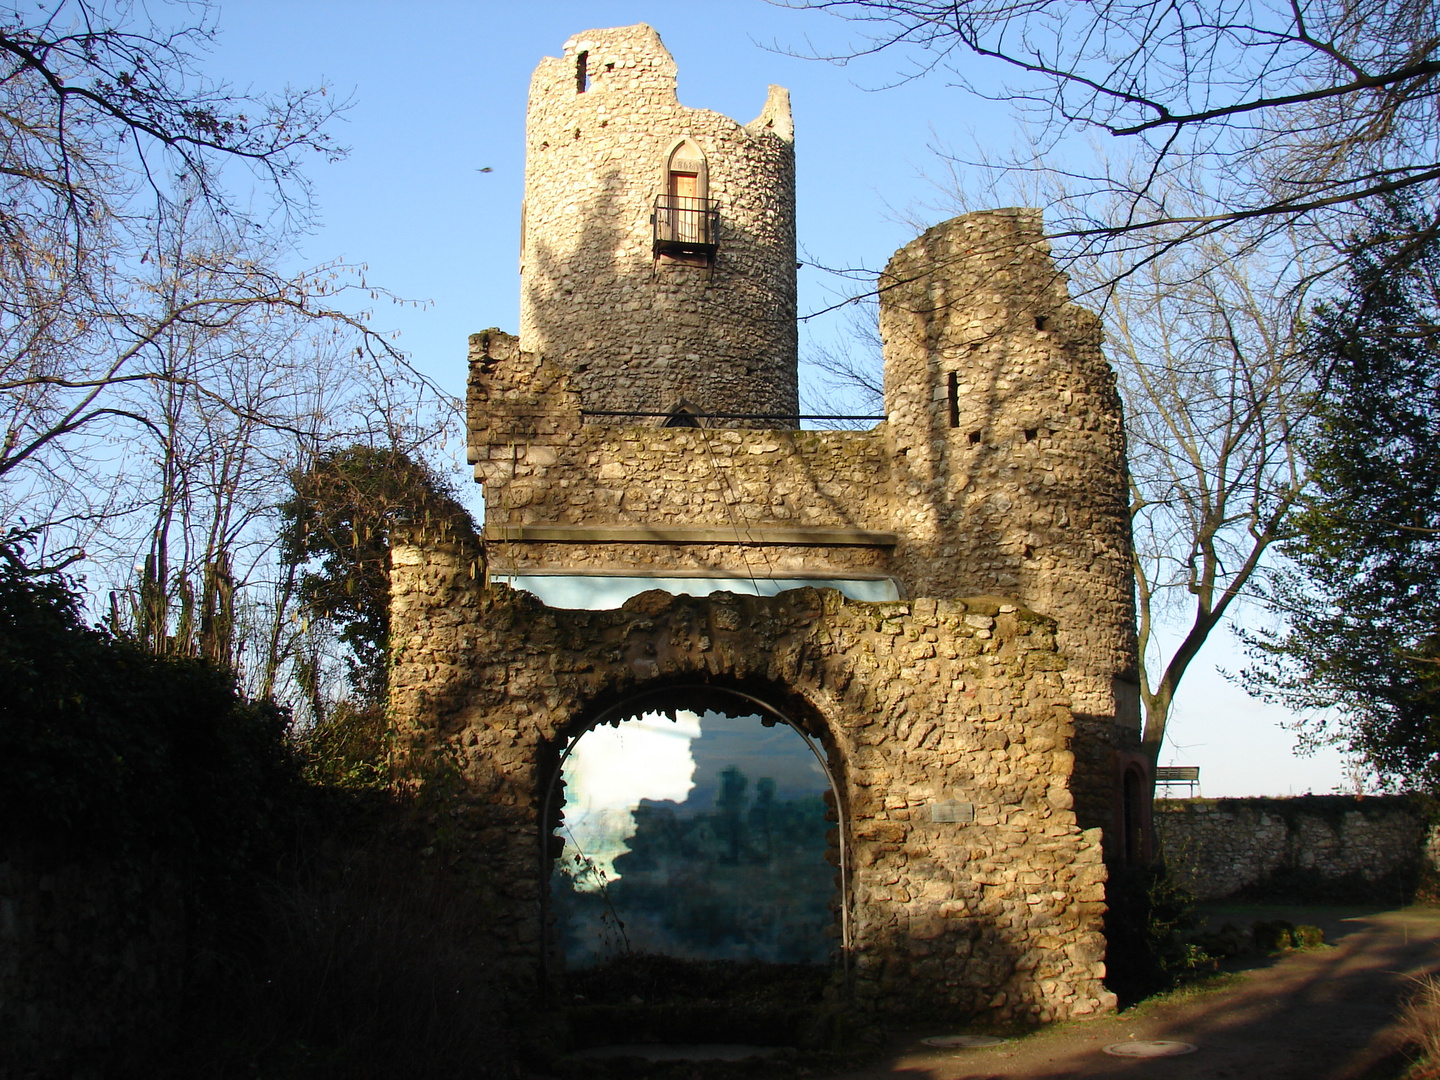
1147, 927
103, 744
337, 524
1363, 611
347, 748
1280, 935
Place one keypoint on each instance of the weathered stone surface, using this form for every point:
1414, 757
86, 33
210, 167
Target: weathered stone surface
493, 682
1219, 847
1013, 485
634, 331
994, 496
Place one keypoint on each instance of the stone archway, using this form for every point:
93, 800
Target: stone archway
971, 885
669, 698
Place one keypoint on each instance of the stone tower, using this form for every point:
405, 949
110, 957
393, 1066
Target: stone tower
658, 247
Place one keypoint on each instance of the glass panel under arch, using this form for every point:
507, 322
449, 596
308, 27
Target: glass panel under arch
598, 592
703, 837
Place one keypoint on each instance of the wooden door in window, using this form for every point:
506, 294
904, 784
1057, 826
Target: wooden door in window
687, 208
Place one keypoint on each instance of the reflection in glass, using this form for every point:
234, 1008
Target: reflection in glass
700, 837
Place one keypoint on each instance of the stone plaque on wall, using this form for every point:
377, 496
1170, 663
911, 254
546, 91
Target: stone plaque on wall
950, 811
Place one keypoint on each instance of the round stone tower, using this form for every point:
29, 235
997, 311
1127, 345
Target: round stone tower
658, 241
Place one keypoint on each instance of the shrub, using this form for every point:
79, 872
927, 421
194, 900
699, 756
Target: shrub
109, 748
1146, 927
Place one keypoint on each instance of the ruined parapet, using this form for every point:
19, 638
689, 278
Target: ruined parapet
654, 306
1011, 449
634, 498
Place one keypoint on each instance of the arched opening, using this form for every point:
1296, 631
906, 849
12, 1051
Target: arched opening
695, 823
1134, 796
682, 414
687, 173
686, 220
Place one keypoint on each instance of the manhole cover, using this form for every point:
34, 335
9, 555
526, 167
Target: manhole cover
1149, 1048
962, 1042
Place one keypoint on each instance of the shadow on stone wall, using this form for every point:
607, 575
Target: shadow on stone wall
1311, 849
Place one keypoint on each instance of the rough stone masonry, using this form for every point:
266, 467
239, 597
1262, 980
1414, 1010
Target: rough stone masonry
992, 500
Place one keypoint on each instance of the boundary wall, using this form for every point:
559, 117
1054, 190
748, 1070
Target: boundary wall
1304, 849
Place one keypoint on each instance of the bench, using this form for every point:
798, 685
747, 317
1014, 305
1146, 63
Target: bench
1175, 775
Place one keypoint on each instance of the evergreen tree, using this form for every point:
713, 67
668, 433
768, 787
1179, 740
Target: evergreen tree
1363, 611
337, 524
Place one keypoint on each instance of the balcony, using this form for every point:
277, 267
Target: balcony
686, 226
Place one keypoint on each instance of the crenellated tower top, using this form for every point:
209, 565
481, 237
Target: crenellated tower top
658, 247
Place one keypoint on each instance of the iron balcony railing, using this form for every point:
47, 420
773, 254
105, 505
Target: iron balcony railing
686, 225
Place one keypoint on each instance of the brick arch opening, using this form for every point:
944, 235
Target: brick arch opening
775, 706
1135, 829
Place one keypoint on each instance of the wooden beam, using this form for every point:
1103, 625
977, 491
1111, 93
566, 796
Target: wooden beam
681, 534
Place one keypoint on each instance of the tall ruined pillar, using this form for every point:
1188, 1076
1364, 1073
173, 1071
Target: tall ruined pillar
1011, 452
658, 248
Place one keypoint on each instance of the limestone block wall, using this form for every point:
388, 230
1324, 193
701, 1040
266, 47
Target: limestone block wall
1217, 848
633, 331
1000, 471
916, 704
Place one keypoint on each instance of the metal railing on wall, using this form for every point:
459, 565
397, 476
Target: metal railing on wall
686, 225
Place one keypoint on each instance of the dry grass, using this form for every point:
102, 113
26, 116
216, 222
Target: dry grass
1420, 1028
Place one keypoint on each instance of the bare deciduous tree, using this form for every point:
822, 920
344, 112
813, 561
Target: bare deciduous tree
1295, 112
1216, 390
161, 373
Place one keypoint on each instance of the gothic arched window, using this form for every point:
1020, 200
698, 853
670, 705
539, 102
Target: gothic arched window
686, 218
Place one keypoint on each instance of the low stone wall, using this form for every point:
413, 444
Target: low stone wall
1309, 848
92, 954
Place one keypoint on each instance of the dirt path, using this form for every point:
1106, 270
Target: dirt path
1323, 1015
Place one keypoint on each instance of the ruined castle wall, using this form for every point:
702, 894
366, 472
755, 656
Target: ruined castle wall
542, 467
633, 331
1000, 471
1014, 481
917, 704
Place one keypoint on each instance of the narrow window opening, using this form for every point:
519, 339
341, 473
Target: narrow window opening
1040, 321
954, 393
974, 438
1133, 813
582, 72
1028, 553
1030, 434
609, 67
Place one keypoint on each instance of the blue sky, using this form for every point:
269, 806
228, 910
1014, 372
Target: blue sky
437, 94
